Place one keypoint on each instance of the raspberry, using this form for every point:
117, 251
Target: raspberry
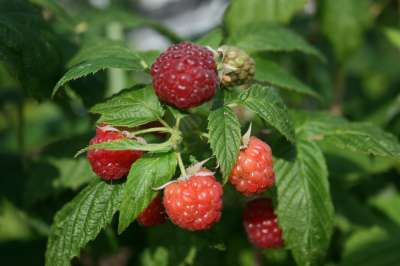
238, 67
110, 164
154, 214
261, 224
253, 172
195, 203
185, 75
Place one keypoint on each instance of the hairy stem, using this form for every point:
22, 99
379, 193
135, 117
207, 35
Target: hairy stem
172, 36
21, 128
338, 91
116, 77
111, 238
181, 165
153, 129
257, 258
162, 121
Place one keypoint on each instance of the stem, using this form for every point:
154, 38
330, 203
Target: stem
153, 129
232, 105
172, 36
338, 91
398, 10
41, 227
116, 77
111, 237
204, 135
181, 165
21, 129
257, 258
178, 122
162, 121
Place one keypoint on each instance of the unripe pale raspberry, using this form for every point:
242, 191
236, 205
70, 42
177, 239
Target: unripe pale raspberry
110, 164
154, 214
238, 68
261, 224
185, 75
196, 203
253, 172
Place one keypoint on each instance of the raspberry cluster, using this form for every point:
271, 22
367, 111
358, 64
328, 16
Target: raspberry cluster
185, 75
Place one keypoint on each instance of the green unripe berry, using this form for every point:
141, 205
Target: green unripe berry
236, 67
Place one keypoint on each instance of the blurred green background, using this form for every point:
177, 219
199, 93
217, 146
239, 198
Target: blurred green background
39, 135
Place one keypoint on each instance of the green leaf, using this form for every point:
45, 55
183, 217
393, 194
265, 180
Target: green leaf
359, 137
352, 211
81, 220
147, 173
258, 38
266, 102
372, 247
224, 131
212, 39
128, 144
29, 47
305, 210
344, 22
386, 113
149, 57
388, 202
58, 10
130, 108
159, 257
55, 175
240, 13
393, 36
343, 162
185, 248
272, 73
97, 19
72, 172
99, 56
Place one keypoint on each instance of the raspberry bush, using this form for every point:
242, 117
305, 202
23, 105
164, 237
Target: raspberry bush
271, 139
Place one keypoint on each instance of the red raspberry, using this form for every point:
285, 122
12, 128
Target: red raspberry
261, 224
185, 75
107, 164
196, 203
154, 214
253, 172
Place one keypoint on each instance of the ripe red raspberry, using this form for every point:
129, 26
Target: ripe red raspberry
185, 75
261, 224
108, 164
196, 203
253, 172
154, 214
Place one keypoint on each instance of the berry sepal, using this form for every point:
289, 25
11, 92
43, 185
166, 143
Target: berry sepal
192, 170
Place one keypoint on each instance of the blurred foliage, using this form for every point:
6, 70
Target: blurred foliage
346, 60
